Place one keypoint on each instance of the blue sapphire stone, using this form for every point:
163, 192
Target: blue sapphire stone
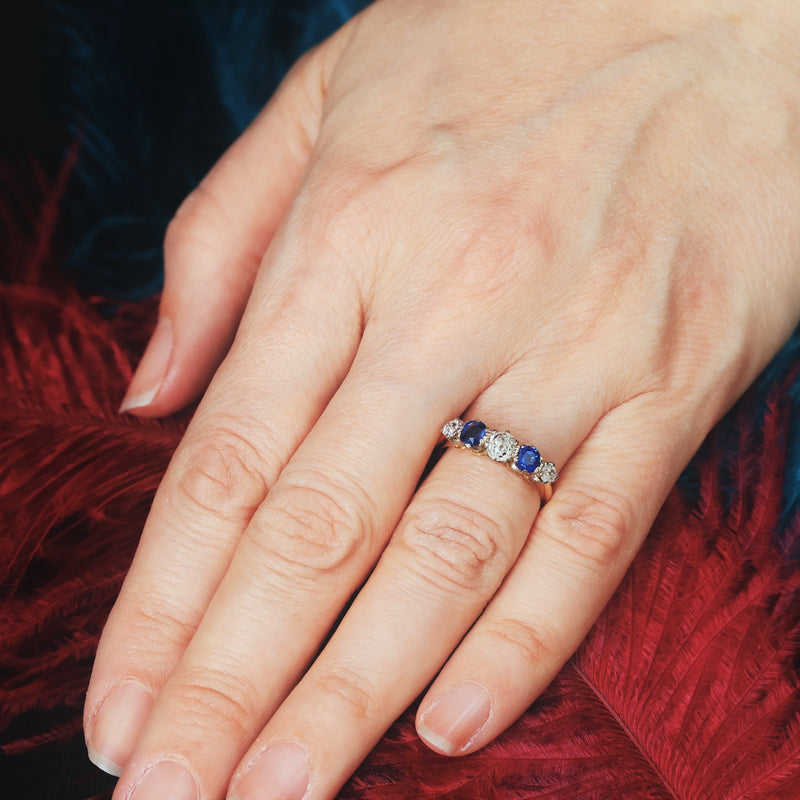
528, 459
472, 433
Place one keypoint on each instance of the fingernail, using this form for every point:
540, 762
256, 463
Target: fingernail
167, 780
117, 726
152, 368
280, 773
456, 718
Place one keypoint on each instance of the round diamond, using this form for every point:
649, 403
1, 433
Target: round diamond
501, 446
547, 472
452, 429
472, 433
528, 459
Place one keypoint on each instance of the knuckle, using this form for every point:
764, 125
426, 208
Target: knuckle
527, 642
493, 236
223, 476
343, 226
213, 697
506, 235
200, 212
312, 530
179, 232
157, 627
455, 547
593, 525
350, 688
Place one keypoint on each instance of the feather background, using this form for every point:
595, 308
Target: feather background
687, 686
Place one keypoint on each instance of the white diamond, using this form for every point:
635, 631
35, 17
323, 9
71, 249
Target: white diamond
452, 429
501, 446
546, 472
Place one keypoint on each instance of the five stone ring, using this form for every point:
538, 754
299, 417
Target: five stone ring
502, 447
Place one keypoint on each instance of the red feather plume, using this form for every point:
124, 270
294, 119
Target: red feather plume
686, 688
76, 478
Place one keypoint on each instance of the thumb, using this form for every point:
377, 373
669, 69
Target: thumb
217, 239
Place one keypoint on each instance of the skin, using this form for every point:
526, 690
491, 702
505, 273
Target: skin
576, 220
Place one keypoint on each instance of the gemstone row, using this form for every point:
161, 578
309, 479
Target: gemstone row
502, 447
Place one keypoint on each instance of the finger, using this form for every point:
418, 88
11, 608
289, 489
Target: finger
242, 436
303, 555
580, 547
217, 239
447, 557
452, 549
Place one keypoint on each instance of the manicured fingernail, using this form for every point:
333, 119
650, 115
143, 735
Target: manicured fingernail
456, 718
167, 780
280, 773
117, 726
152, 368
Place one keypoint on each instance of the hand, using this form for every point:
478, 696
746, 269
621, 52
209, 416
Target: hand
578, 221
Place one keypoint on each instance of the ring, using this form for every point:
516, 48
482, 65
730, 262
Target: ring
502, 447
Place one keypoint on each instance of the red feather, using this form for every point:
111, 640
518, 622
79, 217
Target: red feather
76, 479
686, 688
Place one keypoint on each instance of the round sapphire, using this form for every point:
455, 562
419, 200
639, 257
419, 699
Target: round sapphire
528, 459
472, 433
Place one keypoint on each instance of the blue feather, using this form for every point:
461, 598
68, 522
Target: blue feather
155, 91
